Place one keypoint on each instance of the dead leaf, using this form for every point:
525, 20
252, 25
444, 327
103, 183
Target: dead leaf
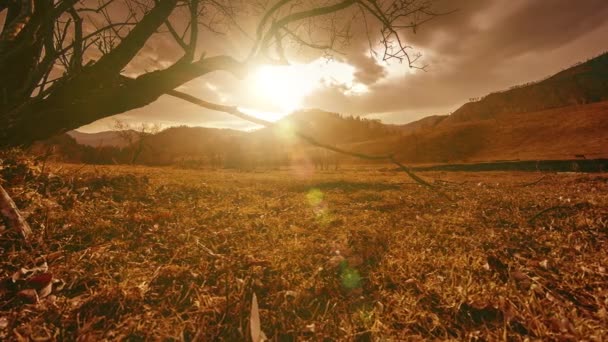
40, 281
478, 313
257, 335
58, 284
519, 275
28, 295
45, 291
499, 267
51, 257
26, 272
335, 261
17, 276
252, 261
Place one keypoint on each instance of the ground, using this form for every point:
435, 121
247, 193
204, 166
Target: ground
144, 253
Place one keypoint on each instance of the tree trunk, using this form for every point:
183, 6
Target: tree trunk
79, 98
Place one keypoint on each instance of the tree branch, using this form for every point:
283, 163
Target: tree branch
193, 6
179, 40
234, 111
77, 54
119, 57
265, 37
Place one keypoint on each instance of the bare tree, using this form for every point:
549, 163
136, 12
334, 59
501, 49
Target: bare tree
67, 63
135, 136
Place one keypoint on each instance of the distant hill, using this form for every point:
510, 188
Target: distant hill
106, 138
266, 143
557, 118
180, 143
337, 129
422, 124
581, 84
230, 147
559, 133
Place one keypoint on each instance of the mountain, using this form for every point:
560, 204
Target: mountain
559, 133
557, 118
334, 128
422, 124
106, 138
581, 84
192, 145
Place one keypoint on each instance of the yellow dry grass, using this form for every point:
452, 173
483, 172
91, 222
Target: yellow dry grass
162, 253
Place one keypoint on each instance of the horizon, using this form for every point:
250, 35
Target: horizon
285, 170
245, 126
479, 47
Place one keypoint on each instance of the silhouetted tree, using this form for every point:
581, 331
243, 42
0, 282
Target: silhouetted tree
136, 137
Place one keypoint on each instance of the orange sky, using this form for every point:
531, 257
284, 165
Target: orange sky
486, 45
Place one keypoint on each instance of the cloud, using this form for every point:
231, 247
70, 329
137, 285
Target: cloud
486, 45
367, 70
483, 47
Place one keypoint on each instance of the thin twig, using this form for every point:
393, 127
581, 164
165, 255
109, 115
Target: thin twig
533, 183
557, 207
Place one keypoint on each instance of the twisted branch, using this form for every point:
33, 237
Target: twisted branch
234, 111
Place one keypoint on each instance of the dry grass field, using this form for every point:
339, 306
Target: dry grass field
138, 253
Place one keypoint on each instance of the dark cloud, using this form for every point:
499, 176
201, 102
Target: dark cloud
543, 26
368, 71
482, 47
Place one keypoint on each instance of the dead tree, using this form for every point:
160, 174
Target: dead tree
135, 136
67, 63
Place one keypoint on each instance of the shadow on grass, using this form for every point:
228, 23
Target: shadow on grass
348, 186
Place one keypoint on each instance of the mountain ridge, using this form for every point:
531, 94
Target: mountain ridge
567, 111
565, 88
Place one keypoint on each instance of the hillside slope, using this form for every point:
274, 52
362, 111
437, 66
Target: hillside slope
106, 138
559, 133
560, 117
581, 84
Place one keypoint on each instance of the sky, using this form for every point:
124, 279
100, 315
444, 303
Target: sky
481, 47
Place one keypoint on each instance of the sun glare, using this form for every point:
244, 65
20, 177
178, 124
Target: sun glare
284, 88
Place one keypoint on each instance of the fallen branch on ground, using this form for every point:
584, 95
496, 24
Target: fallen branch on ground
234, 111
533, 183
11, 215
450, 182
577, 206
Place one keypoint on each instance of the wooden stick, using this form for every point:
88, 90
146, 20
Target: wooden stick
11, 215
533, 183
577, 206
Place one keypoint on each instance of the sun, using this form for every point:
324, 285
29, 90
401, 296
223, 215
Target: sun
284, 88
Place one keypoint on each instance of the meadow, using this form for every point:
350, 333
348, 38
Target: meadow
142, 253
